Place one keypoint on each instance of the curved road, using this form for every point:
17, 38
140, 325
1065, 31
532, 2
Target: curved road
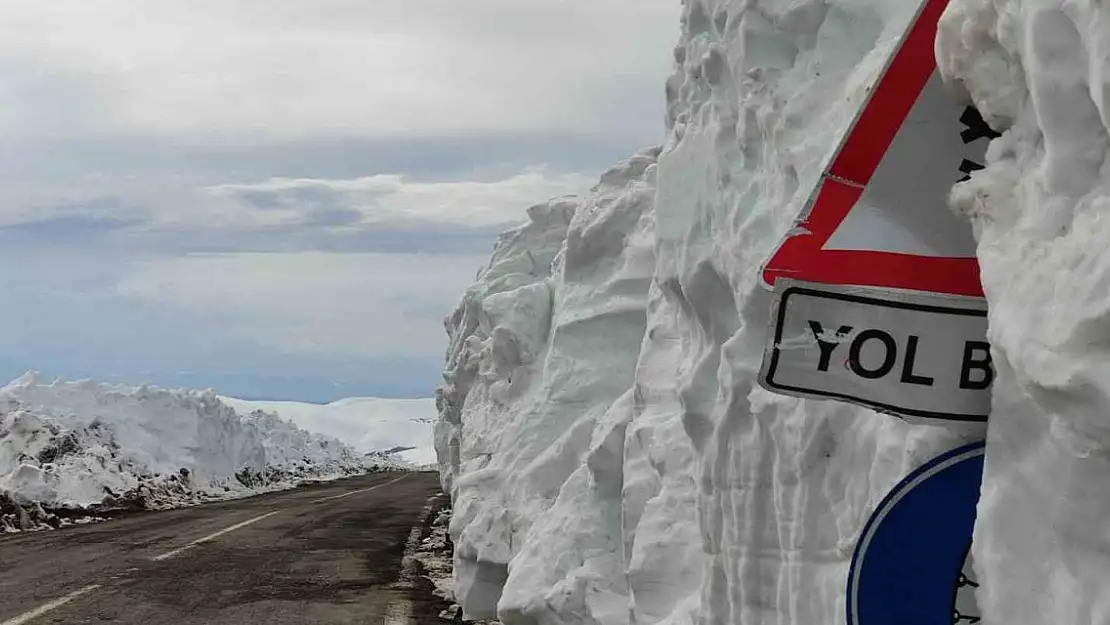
326, 553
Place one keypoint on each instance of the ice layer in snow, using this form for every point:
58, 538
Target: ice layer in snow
78, 443
610, 455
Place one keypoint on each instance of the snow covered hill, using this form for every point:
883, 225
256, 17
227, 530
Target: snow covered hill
369, 424
82, 443
610, 455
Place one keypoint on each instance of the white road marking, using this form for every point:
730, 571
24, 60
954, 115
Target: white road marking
170, 554
46, 607
399, 614
198, 541
353, 492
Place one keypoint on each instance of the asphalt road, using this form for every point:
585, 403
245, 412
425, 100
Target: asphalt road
326, 553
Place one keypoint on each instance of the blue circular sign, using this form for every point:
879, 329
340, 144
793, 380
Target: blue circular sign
911, 566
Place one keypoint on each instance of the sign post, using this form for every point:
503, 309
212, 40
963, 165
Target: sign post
877, 301
877, 292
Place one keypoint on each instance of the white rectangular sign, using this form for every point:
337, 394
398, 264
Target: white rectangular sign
912, 354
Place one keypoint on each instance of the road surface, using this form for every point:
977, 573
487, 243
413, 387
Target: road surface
327, 553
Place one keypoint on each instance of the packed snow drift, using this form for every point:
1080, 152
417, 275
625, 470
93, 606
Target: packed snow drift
610, 455
81, 444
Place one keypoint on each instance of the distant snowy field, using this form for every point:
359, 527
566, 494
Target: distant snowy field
366, 423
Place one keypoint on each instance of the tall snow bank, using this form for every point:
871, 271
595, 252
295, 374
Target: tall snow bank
542, 346
603, 476
76, 443
1038, 71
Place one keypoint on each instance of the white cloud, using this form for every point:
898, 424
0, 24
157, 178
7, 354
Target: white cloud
394, 200
323, 207
212, 70
313, 304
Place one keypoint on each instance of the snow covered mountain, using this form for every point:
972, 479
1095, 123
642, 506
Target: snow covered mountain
369, 424
82, 443
609, 452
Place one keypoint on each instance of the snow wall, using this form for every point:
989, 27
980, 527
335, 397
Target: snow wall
75, 443
609, 453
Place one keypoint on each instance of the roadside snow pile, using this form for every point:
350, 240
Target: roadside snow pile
1038, 70
398, 427
610, 455
81, 444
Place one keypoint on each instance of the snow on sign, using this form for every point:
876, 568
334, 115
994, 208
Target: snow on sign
879, 218
912, 564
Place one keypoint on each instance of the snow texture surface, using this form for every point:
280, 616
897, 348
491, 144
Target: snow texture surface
609, 453
83, 443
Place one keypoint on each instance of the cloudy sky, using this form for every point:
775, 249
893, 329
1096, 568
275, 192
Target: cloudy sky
282, 198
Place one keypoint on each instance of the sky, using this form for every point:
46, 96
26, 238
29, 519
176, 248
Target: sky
282, 199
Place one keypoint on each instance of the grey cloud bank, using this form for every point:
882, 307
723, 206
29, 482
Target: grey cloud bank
267, 70
282, 199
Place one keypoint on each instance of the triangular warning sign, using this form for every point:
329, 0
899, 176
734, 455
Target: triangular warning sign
879, 216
